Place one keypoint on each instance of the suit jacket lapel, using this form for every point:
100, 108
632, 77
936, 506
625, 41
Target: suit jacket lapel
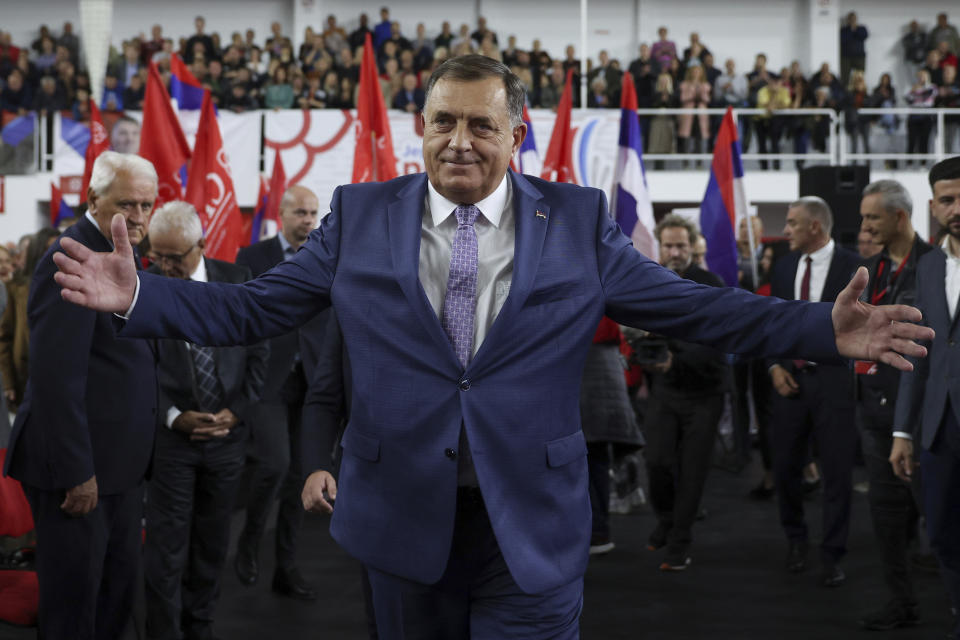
532, 219
94, 238
405, 220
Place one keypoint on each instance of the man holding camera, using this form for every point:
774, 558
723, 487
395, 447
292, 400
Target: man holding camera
686, 400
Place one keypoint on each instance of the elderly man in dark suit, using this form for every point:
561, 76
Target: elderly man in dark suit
813, 399
84, 434
928, 402
206, 397
275, 420
467, 298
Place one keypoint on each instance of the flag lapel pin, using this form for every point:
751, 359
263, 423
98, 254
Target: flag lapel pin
541, 214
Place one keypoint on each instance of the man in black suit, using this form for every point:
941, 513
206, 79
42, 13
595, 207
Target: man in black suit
813, 399
928, 403
885, 212
83, 437
686, 400
275, 420
206, 395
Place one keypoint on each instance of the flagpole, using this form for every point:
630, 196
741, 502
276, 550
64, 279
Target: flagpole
753, 251
583, 54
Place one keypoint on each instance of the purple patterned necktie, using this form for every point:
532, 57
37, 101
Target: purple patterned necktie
460, 303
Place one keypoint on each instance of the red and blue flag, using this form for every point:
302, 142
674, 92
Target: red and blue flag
724, 202
632, 206
59, 210
184, 86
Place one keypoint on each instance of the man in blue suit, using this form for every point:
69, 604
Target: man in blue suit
928, 401
468, 298
84, 433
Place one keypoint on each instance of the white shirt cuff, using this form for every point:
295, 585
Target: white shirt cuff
172, 414
136, 294
902, 434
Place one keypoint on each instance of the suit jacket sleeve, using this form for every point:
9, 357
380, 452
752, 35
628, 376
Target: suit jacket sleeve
61, 335
638, 292
219, 314
325, 405
907, 415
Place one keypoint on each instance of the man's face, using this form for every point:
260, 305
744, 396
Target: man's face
467, 138
699, 254
157, 32
730, 66
176, 255
800, 229
125, 137
676, 252
298, 216
742, 233
882, 225
945, 205
132, 196
199, 23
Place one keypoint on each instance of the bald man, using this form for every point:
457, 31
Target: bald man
275, 426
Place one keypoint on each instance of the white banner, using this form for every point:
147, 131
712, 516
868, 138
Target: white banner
317, 146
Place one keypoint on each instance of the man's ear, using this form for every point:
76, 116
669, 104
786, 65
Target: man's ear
202, 243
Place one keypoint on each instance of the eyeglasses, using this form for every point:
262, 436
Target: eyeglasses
172, 258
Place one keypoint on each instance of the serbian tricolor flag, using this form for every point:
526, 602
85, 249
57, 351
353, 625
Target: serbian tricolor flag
724, 202
632, 207
210, 189
59, 210
99, 142
259, 212
184, 86
161, 140
373, 159
527, 160
558, 163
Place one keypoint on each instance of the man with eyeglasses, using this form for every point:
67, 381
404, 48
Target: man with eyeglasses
206, 396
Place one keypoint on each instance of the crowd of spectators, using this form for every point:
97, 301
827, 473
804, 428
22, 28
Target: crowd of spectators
244, 73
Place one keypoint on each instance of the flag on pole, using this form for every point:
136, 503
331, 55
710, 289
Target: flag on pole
59, 210
527, 160
632, 206
259, 211
373, 159
184, 86
558, 163
210, 189
162, 141
99, 142
724, 203
268, 223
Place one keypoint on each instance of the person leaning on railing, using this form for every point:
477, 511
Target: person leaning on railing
921, 95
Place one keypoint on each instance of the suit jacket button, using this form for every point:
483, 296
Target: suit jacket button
450, 453
464, 385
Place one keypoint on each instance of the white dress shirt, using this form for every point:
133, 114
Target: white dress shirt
952, 281
199, 275
819, 267
496, 234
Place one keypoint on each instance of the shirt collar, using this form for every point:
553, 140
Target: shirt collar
945, 245
491, 207
285, 244
823, 253
200, 273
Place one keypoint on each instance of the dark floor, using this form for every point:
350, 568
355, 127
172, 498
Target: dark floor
736, 587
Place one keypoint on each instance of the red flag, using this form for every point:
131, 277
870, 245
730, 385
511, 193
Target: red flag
373, 159
99, 142
278, 184
162, 141
210, 189
558, 163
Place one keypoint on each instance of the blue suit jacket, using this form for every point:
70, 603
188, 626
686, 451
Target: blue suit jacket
91, 400
927, 391
517, 398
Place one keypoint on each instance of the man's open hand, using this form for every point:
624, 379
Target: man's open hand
99, 281
884, 333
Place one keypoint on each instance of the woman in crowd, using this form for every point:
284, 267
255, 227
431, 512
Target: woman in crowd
662, 132
922, 95
856, 125
695, 93
279, 93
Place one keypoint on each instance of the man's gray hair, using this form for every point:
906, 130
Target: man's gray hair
177, 216
110, 163
818, 209
893, 196
677, 220
474, 67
